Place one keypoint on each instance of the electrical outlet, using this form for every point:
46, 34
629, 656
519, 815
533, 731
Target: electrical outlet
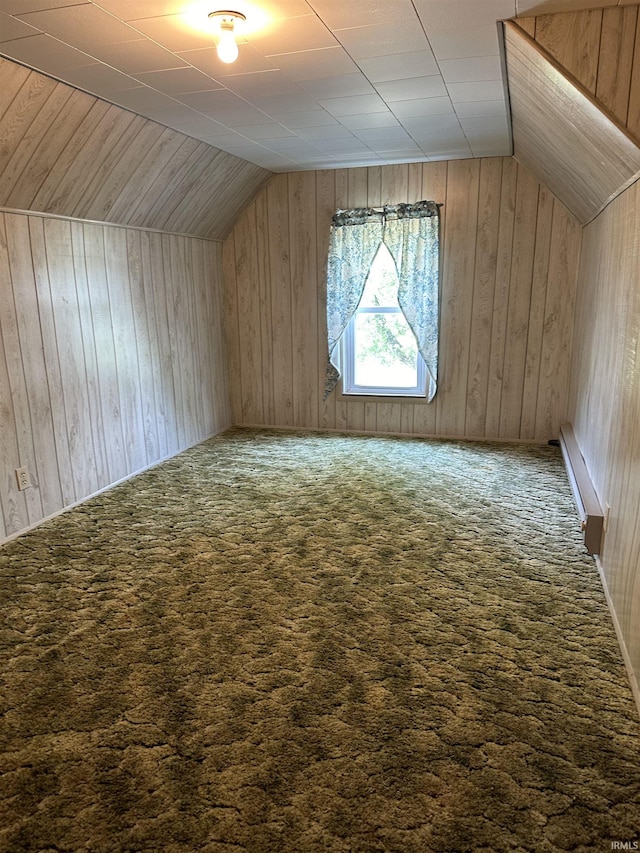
605, 523
22, 476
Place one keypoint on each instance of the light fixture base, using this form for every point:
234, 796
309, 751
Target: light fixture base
227, 13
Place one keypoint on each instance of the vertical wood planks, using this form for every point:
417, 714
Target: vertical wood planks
497, 259
601, 49
304, 296
463, 179
605, 395
64, 151
91, 353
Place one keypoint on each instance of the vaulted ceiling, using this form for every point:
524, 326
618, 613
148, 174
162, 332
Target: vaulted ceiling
318, 83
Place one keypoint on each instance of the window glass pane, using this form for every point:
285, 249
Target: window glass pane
385, 351
381, 287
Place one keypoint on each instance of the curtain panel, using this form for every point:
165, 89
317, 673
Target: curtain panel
411, 233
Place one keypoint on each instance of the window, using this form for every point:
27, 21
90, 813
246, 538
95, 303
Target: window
383, 300
379, 351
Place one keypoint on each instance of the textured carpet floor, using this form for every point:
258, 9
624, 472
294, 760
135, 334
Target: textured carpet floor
284, 642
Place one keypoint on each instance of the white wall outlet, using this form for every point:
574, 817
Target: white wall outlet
23, 478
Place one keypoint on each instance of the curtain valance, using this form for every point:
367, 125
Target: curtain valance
361, 215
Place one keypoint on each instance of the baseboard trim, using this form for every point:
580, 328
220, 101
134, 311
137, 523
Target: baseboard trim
101, 491
633, 679
584, 493
382, 434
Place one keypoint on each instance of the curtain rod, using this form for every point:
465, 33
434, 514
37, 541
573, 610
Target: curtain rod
385, 207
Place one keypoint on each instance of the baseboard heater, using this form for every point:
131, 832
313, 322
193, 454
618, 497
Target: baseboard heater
589, 509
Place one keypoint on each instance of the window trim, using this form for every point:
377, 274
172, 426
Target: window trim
347, 357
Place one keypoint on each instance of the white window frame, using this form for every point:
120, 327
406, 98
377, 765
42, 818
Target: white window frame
348, 352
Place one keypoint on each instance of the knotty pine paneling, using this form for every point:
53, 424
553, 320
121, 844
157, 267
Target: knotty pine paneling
65, 152
510, 255
111, 356
605, 396
601, 49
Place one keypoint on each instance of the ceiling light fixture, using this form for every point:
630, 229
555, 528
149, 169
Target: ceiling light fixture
227, 47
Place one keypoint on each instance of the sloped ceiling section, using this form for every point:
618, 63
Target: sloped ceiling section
65, 152
561, 134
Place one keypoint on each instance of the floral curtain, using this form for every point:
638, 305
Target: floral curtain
411, 233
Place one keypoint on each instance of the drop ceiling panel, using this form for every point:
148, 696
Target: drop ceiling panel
18, 7
178, 81
12, 28
382, 40
399, 66
329, 80
81, 26
338, 14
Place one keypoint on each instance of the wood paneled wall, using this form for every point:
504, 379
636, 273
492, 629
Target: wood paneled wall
510, 255
111, 356
65, 152
560, 130
601, 49
605, 396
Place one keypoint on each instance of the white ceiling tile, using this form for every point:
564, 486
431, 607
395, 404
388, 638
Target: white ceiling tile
178, 81
242, 117
438, 137
485, 124
211, 102
295, 102
421, 107
272, 130
188, 121
399, 66
101, 79
13, 28
368, 120
18, 7
303, 33
398, 153
484, 90
339, 14
135, 57
465, 42
142, 100
448, 152
351, 145
308, 118
382, 40
222, 139
409, 90
312, 64
132, 9
354, 104
481, 108
469, 70
81, 26
441, 16
340, 85
328, 131
43, 50
174, 32
374, 135
423, 123
260, 84
291, 147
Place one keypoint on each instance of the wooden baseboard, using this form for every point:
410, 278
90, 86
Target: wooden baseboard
589, 509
